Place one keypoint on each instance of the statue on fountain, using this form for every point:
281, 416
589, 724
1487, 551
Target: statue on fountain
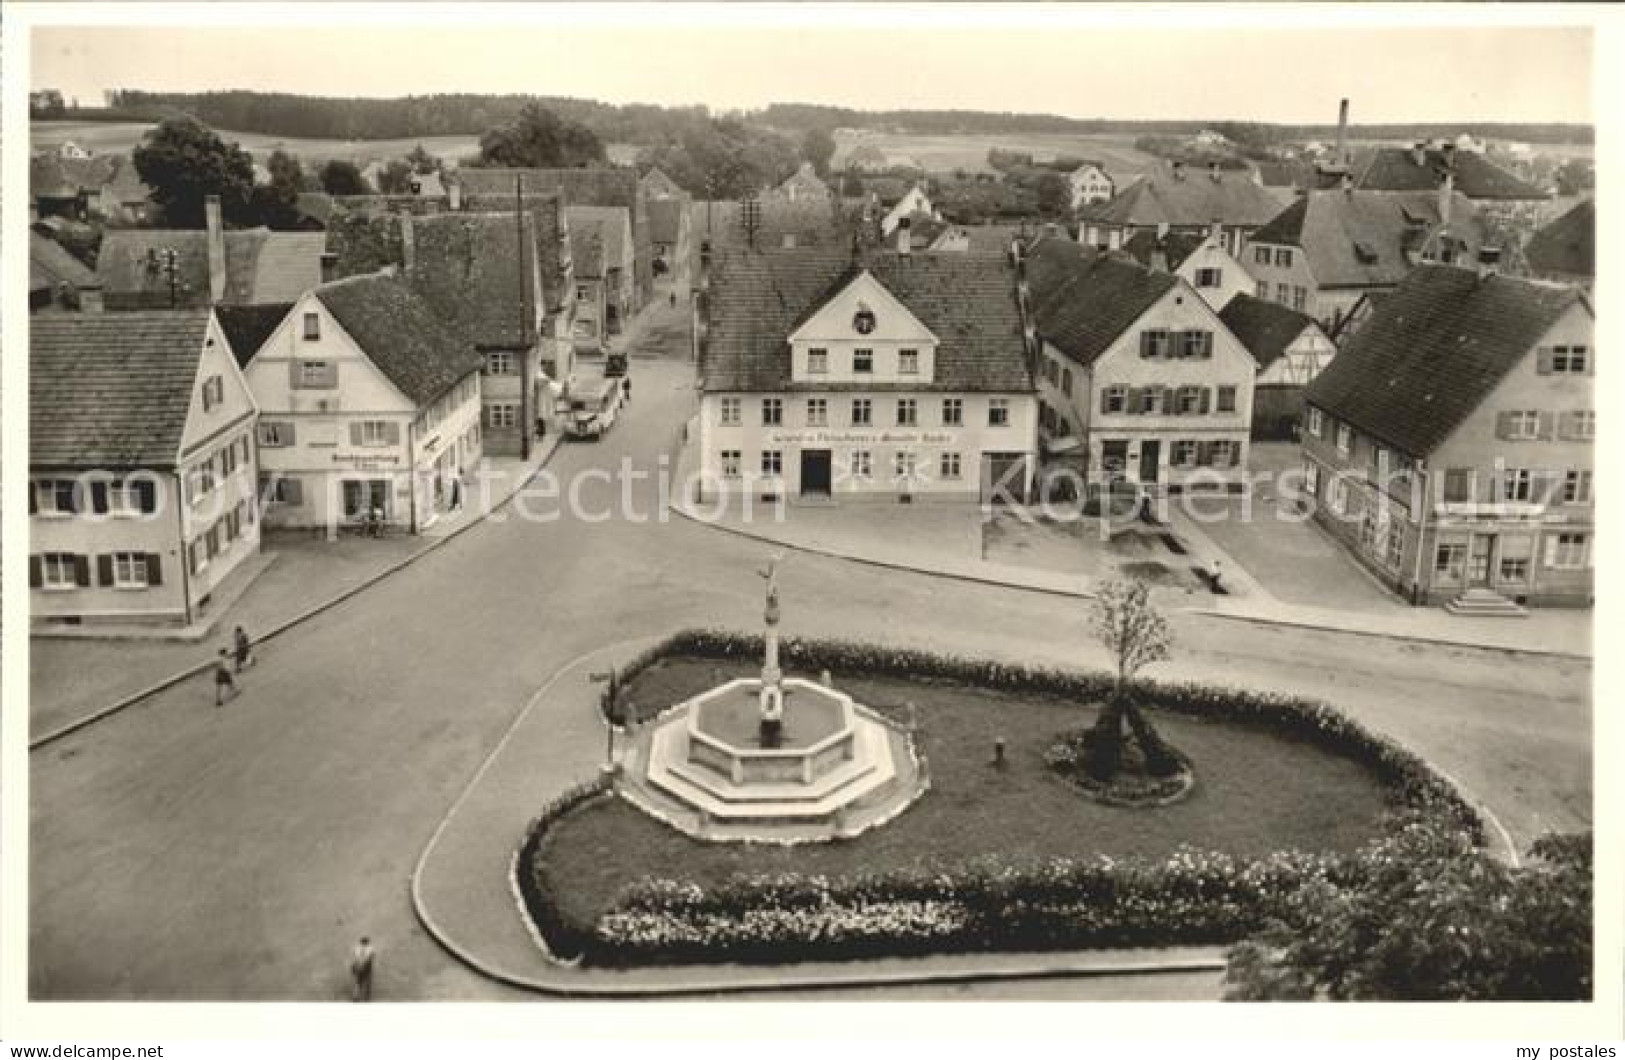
771, 728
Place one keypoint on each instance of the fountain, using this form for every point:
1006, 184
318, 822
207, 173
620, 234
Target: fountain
771, 758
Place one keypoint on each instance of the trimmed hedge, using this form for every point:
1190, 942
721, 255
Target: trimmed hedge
565, 940
1192, 898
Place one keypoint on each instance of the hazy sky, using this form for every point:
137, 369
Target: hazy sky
1061, 59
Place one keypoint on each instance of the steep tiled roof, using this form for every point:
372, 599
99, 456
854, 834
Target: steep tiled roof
1176, 246
803, 182
666, 219
1567, 246
1192, 199
587, 248
984, 239
261, 266
1395, 169
1433, 351
546, 211
812, 223
1084, 300
125, 184
52, 176
657, 185
248, 326
612, 224
111, 389
50, 266
317, 205
1372, 238
968, 302
1265, 328
400, 334
466, 268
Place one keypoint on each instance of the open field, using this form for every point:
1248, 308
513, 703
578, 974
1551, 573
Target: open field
944, 154
121, 137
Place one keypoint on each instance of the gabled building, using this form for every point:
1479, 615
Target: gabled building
1183, 199
1200, 260
58, 281
803, 185
672, 240
1328, 248
1566, 249
1423, 167
913, 201
148, 268
1139, 375
142, 466
987, 239
656, 185
882, 377
601, 249
1449, 446
614, 186
1290, 349
368, 402
1090, 184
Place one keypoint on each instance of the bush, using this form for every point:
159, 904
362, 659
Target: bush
1192, 898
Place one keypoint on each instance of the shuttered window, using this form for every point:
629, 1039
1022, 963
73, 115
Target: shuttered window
375, 433
315, 375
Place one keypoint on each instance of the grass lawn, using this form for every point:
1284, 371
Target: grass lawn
1255, 792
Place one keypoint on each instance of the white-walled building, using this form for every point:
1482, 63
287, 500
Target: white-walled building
914, 201
894, 376
1090, 184
367, 401
1291, 348
1200, 260
1139, 373
142, 466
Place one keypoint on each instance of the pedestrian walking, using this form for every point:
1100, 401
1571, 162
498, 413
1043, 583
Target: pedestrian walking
375, 522
674, 299
224, 683
242, 649
361, 961
626, 388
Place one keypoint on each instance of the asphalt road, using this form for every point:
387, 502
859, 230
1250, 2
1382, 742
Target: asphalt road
182, 852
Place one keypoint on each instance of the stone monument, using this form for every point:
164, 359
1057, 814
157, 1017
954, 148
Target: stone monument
771, 729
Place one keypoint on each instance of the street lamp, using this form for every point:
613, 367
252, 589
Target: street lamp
611, 680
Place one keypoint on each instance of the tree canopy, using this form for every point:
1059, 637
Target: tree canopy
818, 147
538, 138
724, 159
341, 177
183, 161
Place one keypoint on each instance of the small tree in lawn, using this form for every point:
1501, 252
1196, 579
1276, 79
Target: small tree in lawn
1136, 635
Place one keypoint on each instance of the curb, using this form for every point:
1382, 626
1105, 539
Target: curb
1052, 969
36, 743
1410, 638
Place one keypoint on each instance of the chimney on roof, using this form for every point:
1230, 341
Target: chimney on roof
1447, 195
1342, 158
1213, 171
1489, 260
1159, 257
904, 244
408, 243
216, 235
454, 195
330, 265
1447, 151
1162, 231
1215, 230
1419, 153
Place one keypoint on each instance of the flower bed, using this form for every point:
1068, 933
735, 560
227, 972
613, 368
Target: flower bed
749, 914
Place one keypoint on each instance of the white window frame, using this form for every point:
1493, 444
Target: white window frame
1570, 360
499, 362
1209, 277
1584, 424
998, 412
732, 463
904, 465
863, 361
1517, 484
729, 411
1345, 439
908, 362
863, 464
311, 329
1568, 551
772, 463
772, 412
1523, 425
863, 412
818, 361
504, 414
818, 412
305, 366
130, 570
45, 497
950, 466
908, 412
1317, 422
953, 412
374, 433
271, 434
64, 565
1577, 486
1182, 453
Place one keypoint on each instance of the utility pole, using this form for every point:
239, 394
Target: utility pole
527, 367
751, 218
611, 680
170, 269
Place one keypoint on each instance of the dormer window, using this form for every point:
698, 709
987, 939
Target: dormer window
313, 327
908, 362
863, 361
817, 361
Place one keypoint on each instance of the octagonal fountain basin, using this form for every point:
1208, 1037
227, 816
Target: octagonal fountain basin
724, 733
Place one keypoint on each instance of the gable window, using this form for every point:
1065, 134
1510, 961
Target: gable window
1317, 421
316, 375
772, 412
1283, 257
863, 361
862, 412
730, 411
730, 463
499, 362
1155, 342
1113, 399
1577, 487
817, 361
1261, 255
313, 327
1227, 399
1570, 360
907, 412
214, 392
1522, 426
953, 412
1345, 439
817, 412
1197, 344
1207, 278
908, 362
133, 497
998, 412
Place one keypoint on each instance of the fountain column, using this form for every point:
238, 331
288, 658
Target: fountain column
772, 695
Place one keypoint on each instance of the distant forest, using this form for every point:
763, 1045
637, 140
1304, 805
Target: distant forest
325, 117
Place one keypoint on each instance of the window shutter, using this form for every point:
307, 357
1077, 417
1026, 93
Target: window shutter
1207, 344
1545, 428
1206, 400
155, 569
1170, 398
36, 572
1145, 344
104, 570
1133, 400
33, 497
1503, 425
330, 376
1235, 453
355, 433
1543, 360
1105, 401
392, 432
81, 571
147, 496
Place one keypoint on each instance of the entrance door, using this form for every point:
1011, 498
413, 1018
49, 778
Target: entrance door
361, 496
815, 473
1481, 560
1150, 458
1004, 478
1113, 460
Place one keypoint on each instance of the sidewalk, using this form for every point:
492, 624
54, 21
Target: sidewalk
945, 541
463, 893
75, 680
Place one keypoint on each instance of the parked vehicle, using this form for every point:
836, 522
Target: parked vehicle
615, 364
591, 408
